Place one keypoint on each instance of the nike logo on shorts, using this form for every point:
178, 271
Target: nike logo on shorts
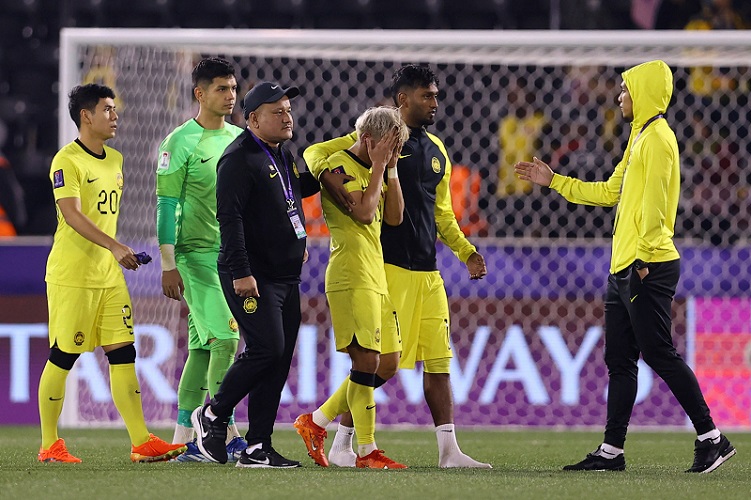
207, 159
55, 399
370, 407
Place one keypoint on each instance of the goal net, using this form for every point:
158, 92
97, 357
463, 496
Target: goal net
528, 338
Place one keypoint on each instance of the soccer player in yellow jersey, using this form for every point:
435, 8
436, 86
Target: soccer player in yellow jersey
89, 303
364, 321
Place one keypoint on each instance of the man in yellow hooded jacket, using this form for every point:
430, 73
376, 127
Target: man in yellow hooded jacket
644, 268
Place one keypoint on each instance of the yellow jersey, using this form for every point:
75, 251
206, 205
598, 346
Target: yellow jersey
356, 255
97, 180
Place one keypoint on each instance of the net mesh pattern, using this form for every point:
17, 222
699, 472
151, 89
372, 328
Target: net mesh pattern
547, 258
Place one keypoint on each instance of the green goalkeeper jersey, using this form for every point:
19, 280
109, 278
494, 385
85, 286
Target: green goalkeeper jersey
186, 172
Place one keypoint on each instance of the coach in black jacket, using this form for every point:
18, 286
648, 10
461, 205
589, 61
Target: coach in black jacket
259, 208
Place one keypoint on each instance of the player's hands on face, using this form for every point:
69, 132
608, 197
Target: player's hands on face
334, 185
476, 266
125, 256
382, 152
535, 171
246, 287
172, 284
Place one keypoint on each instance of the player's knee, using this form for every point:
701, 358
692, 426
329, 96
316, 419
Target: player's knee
223, 347
442, 365
64, 360
385, 372
122, 355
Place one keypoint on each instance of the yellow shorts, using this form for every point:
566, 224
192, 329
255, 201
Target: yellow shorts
423, 310
82, 319
367, 316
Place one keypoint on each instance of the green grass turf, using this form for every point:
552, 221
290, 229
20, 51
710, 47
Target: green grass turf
527, 464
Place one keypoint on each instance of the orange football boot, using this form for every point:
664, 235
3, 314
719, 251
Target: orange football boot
57, 453
156, 450
377, 460
313, 435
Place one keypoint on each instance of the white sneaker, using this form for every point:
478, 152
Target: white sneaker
460, 460
342, 458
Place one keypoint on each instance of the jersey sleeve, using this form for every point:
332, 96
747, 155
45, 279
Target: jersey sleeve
448, 228
600, 194
66, 178
347, 168
166, 207
317, 155
172, 166
234, 185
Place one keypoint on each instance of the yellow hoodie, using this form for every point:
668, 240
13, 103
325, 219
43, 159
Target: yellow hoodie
646, 182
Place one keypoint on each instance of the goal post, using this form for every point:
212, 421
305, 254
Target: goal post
528, 338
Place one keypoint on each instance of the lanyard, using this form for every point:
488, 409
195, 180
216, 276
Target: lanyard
288, 194
649, 122
633, 144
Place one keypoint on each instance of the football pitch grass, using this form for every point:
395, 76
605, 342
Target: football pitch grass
526, 464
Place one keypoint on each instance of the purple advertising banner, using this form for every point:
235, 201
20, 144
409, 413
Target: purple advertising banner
527, 341
516, 362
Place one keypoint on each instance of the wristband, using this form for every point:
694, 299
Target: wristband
392, 173
168, 257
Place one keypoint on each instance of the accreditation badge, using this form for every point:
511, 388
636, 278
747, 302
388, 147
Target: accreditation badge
297, 224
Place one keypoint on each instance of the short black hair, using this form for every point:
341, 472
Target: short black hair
211, 67
86, 97
411, 76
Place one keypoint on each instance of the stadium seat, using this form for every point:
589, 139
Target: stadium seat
279, 14
473, 14
315, 226
145, 13
339, 14
84, 13
400, 14
466, 184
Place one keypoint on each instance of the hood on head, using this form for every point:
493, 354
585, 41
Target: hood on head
651, 87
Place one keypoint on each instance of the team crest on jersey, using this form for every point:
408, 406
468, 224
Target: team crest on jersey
250, 305
436, 165
164, 161
119, 180
78, 338
233, 324
58, 180
294, 169
378, 335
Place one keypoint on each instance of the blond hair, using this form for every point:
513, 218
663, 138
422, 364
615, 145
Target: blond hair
381, 120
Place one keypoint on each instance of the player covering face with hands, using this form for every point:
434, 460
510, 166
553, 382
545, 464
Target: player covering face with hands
363, 317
